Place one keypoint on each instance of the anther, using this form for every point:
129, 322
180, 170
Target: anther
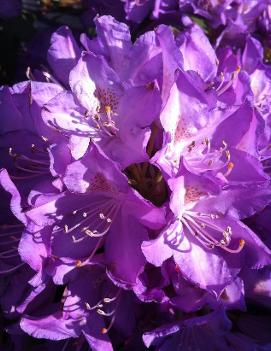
242, 243
44, 138
11, 153
109, 300
98, 305
228, 155
106, 330
78, 263
230, 167
105, 314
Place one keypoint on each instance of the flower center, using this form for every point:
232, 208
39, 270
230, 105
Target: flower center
193, 194
148, 180
103, 117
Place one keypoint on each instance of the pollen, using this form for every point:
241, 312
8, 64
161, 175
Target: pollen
78, 263
104, 330
242, 243
230, 167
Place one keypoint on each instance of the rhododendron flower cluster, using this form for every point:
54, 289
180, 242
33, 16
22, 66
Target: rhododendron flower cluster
135, 187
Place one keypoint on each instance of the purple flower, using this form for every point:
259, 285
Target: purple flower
28, 163
197, 230
136, 209
104, 91
85, 311
96, 209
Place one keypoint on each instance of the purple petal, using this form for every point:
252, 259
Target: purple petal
63, 54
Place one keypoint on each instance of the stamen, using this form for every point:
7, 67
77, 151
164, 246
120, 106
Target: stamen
108, 111
230, 82
2, 255
104, 219
11, 233
34, 161
12, 269
79, 240
106, 330
86, 218
230, 167
65, 345
228, 155
94, 251
8, 251
109, 300
10, 242
11, 153
78, 263
112, 299
5, 226
29, 74
44, 138
222, 81
49, 78
97, 220
198, 235
90, 308
31, 166
106, 314
199, 231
